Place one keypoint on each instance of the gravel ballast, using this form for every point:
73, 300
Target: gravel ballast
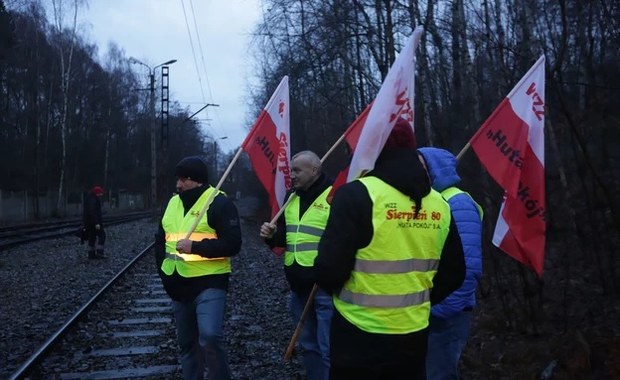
43, 283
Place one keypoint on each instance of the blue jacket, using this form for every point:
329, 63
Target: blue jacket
441, 167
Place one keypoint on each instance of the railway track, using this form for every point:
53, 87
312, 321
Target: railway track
128, 332
11, 236
124, 331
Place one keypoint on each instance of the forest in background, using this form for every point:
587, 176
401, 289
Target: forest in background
68, 121
471, 55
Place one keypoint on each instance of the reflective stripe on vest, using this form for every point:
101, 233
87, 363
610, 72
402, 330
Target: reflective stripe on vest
397, 301
176, 224
303, 234
395, 266
388, 291
195, 236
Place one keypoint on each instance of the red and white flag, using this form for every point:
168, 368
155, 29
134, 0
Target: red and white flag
395, 98
511, 146
268, 145
351, 136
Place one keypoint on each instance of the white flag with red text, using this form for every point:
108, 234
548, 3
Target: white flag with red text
394, 99
511, 146
268, 146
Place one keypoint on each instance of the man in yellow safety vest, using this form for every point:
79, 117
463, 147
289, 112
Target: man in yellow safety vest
195, 271
390, 249
299, 231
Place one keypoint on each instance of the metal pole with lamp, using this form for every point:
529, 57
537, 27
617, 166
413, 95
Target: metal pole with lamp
153, 126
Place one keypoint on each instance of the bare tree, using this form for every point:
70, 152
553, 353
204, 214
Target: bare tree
66, 57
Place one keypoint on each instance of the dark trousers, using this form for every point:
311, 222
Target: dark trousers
356, 354
96, 236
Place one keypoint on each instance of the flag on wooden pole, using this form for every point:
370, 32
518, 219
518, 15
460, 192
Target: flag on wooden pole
351, 136
268, 146
511, 146
394, 99
367, 134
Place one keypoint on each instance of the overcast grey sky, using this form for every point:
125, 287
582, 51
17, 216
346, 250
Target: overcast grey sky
214, 71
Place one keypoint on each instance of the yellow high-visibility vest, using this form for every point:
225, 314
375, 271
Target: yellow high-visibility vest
176, 224
389, 288
303, 235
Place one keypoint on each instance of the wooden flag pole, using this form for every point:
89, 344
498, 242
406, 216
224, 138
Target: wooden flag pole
281, 210
302, 319
333, 147
462, 152
213, 194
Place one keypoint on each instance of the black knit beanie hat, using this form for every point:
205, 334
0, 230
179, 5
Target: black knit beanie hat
194, 168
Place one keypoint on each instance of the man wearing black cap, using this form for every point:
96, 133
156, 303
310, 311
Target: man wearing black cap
195, 271
389, 250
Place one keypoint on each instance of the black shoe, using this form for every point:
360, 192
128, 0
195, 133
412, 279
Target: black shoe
92, 255
100, 254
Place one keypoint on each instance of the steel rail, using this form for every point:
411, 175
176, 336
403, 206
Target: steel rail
54, 222
60, 229
38, 355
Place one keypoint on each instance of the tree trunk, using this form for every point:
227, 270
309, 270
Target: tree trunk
65, 69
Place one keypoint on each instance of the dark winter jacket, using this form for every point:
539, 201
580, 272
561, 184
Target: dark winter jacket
92, 211
349, 228
300, 278
222, 215
441, 166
